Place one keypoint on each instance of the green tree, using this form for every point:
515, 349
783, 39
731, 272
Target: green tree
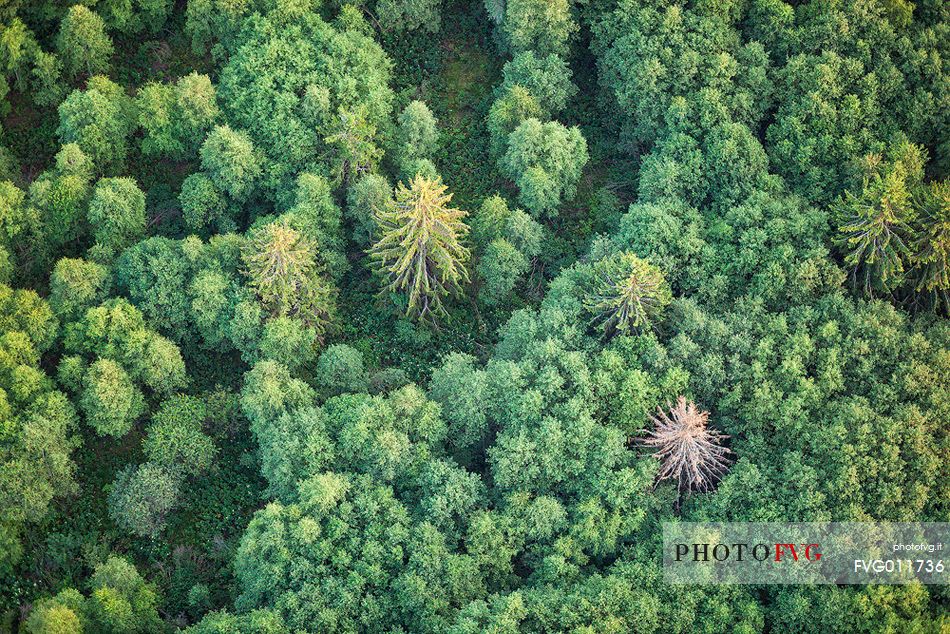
507, 112
545, 160
110, 401
16, 47
420, 253
82, 43
117, 213
417, 136
931, 249
121, 600
97, 120
176, 118
538, 25
46, 74
289, 81
281, 268
363, 198
77, 285
876, 222
340, 369
410, 15
499, 267
176, 440
230, 160
627, 294
203, 206
142, 497
350, 142
546, 78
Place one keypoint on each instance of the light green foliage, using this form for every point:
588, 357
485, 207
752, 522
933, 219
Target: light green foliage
17, 222
116, 332
121, 600
60, 197
175, 438
77, 285
627, 294
507, 112
49, 616
229, 158
323, 465
542, 26
176, 117
495, 220
98, 120
651, 55
116, 213
289, 82
459, 387
500, 266
17, 45
37, 423
203, 206
110, 401
417, 136
546, 78
288, 341
82, 43
48, 87
545, 160
340, 369
269, 391
419, 252
255, 622
410, 15
280, 264
363, 198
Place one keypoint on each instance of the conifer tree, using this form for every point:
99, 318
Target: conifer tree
420, 252
627, 294
688, 450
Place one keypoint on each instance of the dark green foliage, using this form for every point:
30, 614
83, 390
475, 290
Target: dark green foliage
176, 440
340, 369
367, 195
409, 15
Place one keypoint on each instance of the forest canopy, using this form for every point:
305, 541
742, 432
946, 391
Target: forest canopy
421, 316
